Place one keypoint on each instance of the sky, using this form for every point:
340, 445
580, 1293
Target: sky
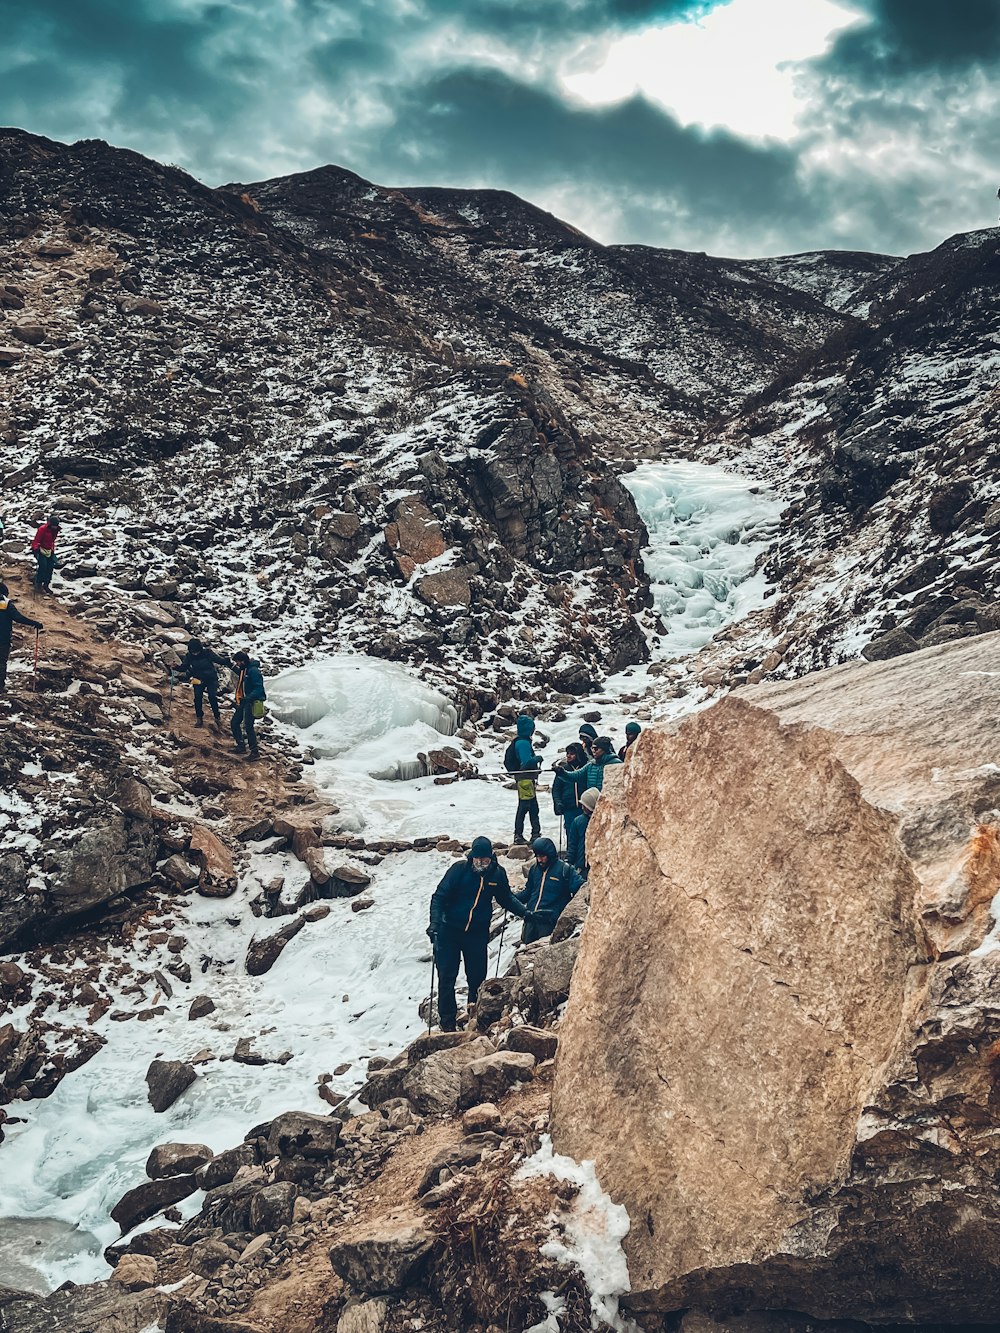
737, 127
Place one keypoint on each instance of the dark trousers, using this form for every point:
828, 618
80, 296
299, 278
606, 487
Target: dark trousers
4, 654
243, 721
211, 688
45, 564
525, 808
537, 930
450, 951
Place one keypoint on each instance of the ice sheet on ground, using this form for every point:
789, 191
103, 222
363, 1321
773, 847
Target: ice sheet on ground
706, 527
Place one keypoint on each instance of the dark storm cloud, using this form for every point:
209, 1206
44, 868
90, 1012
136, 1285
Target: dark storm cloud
465, 92
495, 127
908, 36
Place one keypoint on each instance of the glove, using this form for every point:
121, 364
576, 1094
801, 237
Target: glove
432, 934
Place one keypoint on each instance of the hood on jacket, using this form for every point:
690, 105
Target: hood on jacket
589, 730
589, 799
242, 665
545, 847
195, 647
481, 847
525, 726
632, 729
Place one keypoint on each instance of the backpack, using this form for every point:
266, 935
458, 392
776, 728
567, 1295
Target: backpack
510, 760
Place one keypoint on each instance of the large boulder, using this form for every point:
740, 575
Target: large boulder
433, 1084
166, 1080
385, 1256
146, 1200
781, 1043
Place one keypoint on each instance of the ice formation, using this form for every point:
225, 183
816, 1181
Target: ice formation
706, 528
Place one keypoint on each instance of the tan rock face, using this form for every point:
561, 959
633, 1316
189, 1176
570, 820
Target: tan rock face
415, 535
794, 1094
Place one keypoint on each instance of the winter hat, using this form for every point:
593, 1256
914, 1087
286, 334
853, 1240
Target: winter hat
632, 729
241, 656
589, 799
604, 743
589, 730
481, 847
577, 753
194, 645
53, 522
545, 847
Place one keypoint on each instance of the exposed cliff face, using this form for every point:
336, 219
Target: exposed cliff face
780, 1044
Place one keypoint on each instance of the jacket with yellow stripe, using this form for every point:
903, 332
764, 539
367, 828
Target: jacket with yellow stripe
548, 890
463, 902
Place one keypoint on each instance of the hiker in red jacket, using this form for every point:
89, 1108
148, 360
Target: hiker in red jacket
43, 548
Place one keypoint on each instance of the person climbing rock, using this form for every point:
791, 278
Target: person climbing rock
199, 665
576, 846
603, 751
249, 699
43, 548
551, 884
9, 617
632, 734
528, 765
588, 734
459, 930
566, 791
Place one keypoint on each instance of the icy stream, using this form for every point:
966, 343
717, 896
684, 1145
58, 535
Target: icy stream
347, 987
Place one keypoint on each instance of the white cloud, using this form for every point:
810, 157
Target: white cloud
732, 69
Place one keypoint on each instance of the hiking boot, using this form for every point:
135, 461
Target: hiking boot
449, 1026
240, 748
520, 842
217, 726
199, 722
254, 754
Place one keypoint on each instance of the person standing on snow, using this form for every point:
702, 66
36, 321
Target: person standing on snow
576, 849
461, 915
603, 756
566, 792
249, 692
199, 666
632, 734
9, 617
528, 766
551, 884
43, 548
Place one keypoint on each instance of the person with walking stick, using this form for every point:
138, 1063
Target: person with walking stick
9, 617
461, 914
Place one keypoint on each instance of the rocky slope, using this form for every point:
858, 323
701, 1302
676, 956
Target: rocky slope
780, 1045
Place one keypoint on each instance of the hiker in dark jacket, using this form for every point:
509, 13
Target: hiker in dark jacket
199, 665
9, 617
461, 914
632, 733
551, 884
576, 853
566, 791
528, 765
588, 734
249, 691
604, 756
43, 548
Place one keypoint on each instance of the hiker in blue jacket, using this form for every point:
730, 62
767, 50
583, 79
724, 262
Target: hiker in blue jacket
593, 773
632, 734
566, 791
249, 691
461, 914
528, 766
551, 884
576, 852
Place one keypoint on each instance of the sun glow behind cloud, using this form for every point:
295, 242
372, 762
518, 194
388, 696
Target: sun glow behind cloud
733, 68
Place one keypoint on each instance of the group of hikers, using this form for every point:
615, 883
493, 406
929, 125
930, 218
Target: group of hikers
461, 912
200, 664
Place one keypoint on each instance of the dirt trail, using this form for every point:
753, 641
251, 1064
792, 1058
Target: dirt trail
198, 759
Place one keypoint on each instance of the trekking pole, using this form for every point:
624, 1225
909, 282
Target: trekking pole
500, 945
430, 1006
34, 669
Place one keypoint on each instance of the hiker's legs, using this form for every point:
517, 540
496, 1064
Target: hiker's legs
4, 654
474, 952
236, 725
212, 687
199, 695
46, 565
536, 828
532, 931
37, 580
249, 725
447, 955
567, 819
519, 818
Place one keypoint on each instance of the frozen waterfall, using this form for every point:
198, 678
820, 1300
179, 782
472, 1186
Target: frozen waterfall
706, 528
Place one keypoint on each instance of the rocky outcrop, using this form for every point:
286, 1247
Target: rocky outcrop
781, 1041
